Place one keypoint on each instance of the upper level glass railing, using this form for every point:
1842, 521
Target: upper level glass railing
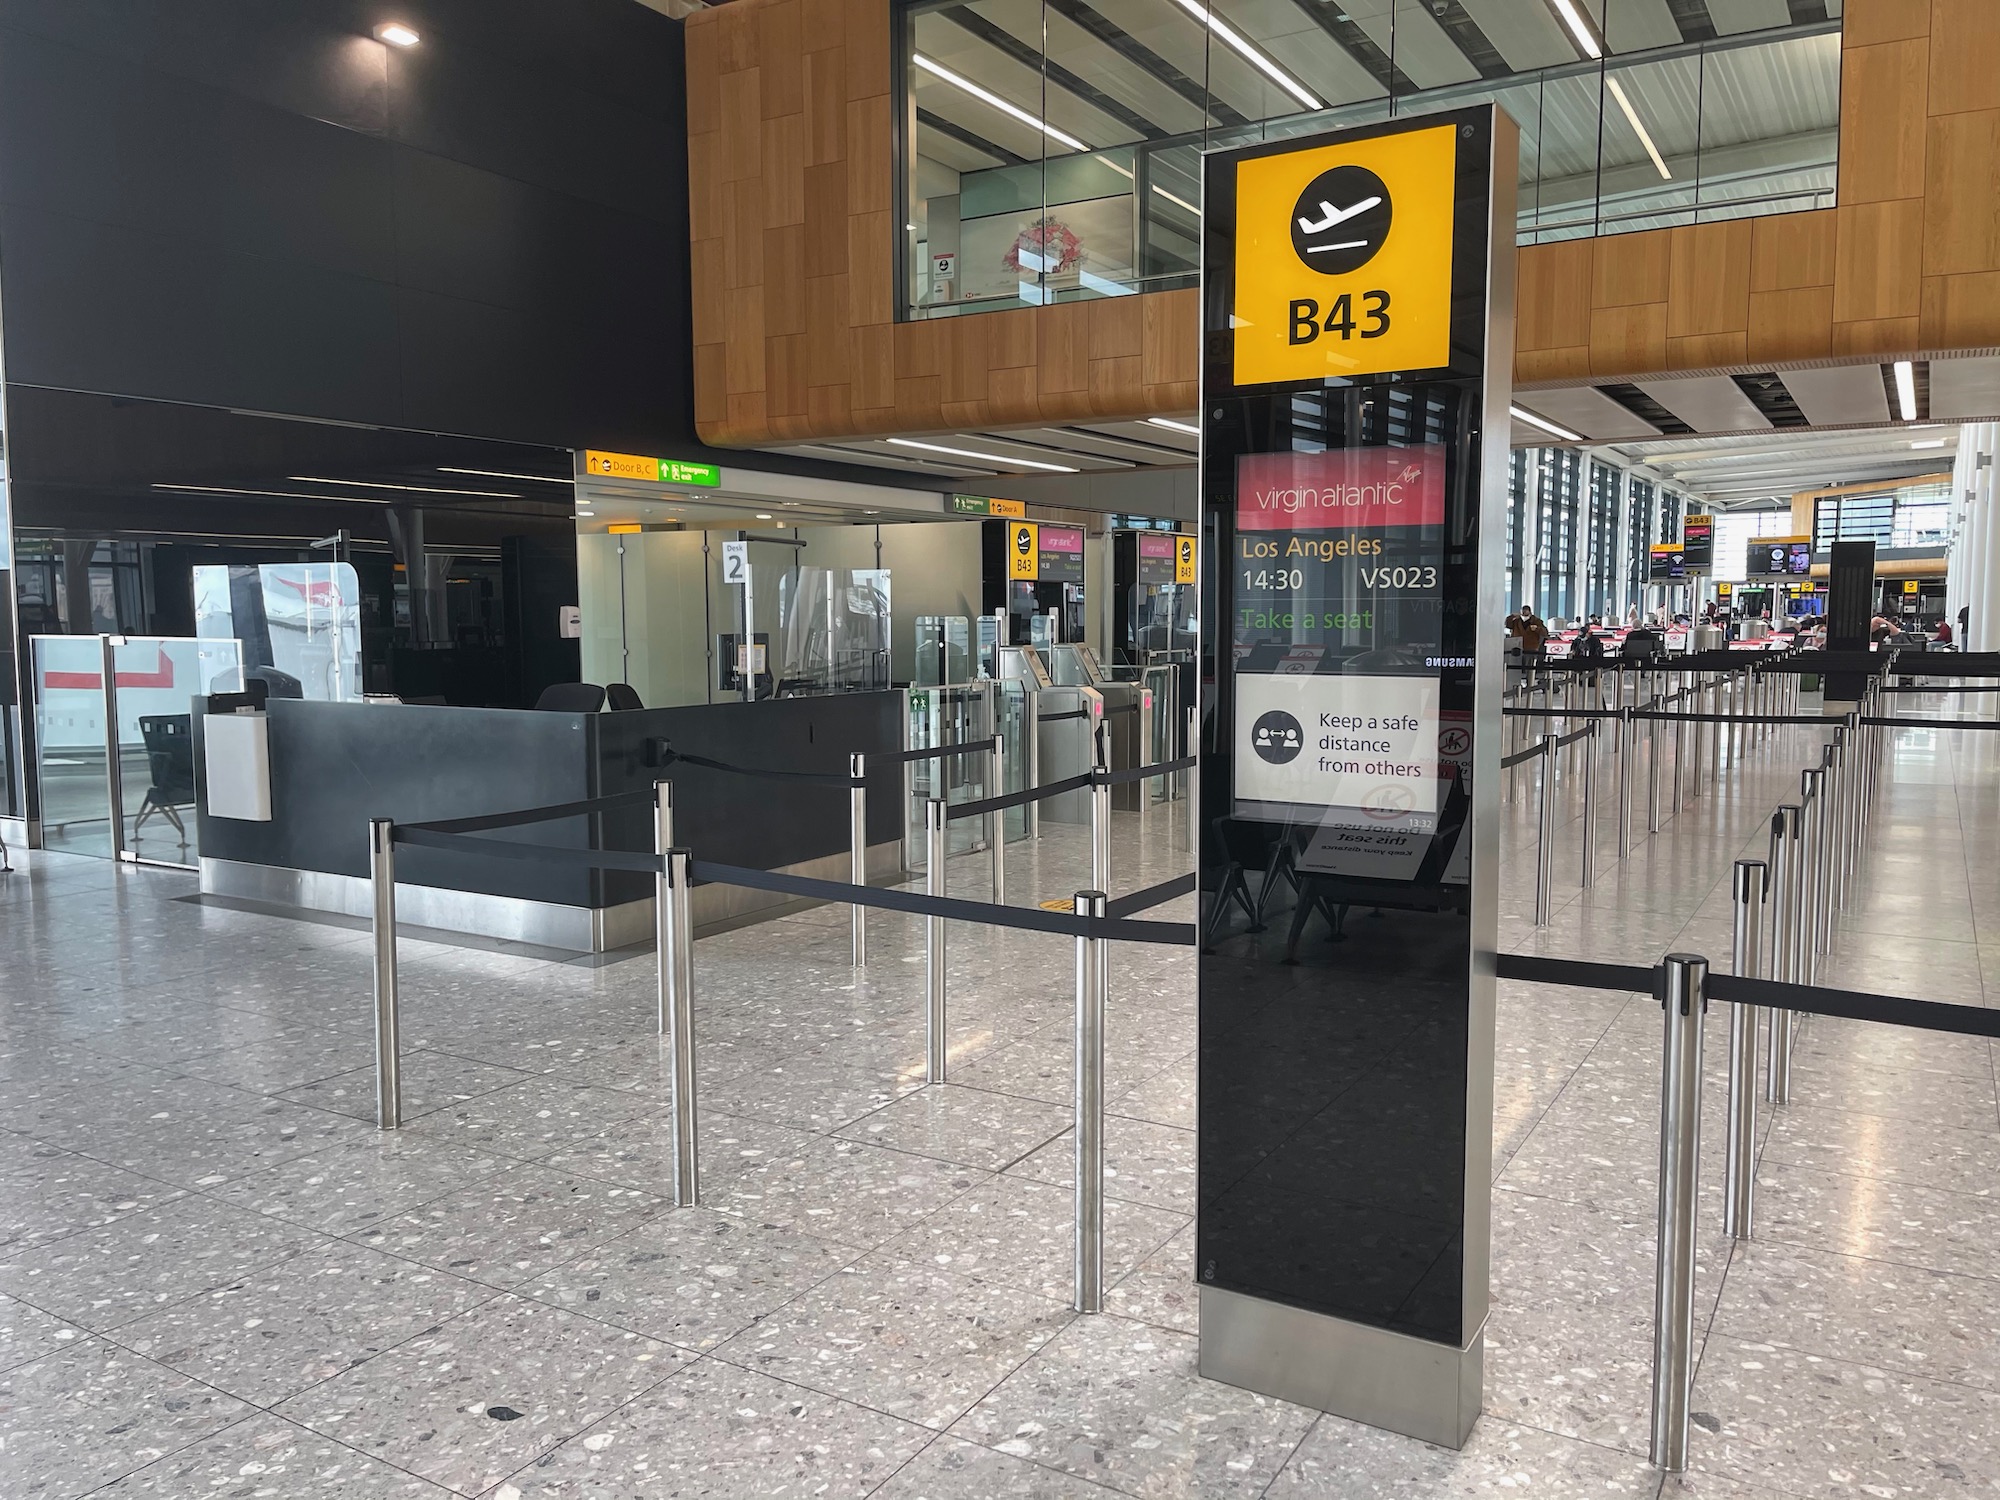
1056, 151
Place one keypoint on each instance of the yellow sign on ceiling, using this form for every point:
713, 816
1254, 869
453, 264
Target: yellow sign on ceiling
1184, 559
1343, 258
1024, 552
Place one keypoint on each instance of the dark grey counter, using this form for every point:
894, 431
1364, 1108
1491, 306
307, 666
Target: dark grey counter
334, 766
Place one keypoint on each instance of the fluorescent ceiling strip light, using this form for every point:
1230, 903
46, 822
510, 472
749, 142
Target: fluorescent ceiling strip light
1181, 202
499, 474
423, 489
1255, 57
1168, 422
1013, 111
1934, 443
216, 489
1632, 118
1573, 18
1534, 421
985, 458
1906, 389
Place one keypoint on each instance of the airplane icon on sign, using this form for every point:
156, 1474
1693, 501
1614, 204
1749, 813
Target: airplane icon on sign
1335, 216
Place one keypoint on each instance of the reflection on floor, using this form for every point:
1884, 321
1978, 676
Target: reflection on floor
217, 1278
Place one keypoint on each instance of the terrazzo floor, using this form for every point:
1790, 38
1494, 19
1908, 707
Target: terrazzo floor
218, 1279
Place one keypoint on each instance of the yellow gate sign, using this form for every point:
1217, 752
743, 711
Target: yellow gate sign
1344, 258
1184, 559
1024, 555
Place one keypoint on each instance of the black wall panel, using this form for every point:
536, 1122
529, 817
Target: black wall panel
252, 203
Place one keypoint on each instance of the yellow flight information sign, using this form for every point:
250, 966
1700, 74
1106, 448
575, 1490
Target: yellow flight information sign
1024, 553
1184, 559
1343, 258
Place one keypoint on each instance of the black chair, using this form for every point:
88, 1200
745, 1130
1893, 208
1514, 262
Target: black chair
620, 696
571, 698
170, 757
1248, 846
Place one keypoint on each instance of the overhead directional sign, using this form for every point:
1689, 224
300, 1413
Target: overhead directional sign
656, 470
1343, 263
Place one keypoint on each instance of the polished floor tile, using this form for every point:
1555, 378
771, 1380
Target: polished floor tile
478, 1398
718, 1432
198, 1217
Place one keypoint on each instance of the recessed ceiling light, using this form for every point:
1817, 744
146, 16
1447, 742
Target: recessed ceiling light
422, 489
1013, 111
985, 458
217, 489
1534, 421
763, 515
501, 474
1632, 119
1906, 389
1263, 64
1168, 422
586, 512
1572, 18
396, 34
1935, 443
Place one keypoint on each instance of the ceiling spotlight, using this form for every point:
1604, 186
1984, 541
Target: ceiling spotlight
396, 34
1534, 421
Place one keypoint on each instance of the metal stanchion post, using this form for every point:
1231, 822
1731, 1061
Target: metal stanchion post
1031, 814
1739, 1194
1626, 748
1785, 920
388, 1018
1812, 842
936, 831
1850, 777
677, 932
1194, 783
857, 849
909, 770
1093, 971
1837, 821
1718, 698
1545, 822
1653, 769
663, 840
1680, 1155
1100, 810
1820, 929
998, 837
1589, 875
1680, 754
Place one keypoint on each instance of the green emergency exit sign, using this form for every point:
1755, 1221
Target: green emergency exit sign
673, 471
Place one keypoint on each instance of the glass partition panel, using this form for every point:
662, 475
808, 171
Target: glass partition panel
1056, 143
299, 625
160, 683
943, 650
835, 629
71, 753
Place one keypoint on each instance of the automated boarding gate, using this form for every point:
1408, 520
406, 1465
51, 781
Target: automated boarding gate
1357, 343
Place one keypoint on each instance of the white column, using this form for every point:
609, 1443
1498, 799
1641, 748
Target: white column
1954, 568
1982, 573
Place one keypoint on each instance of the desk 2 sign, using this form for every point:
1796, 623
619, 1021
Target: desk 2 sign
1344, 258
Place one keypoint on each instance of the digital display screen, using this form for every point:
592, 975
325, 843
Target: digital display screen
1782, 557
1698, 543
1667, 563
1339, 601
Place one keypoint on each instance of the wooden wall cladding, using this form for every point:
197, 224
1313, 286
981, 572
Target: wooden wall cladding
791, 211
791, 164
1908, 263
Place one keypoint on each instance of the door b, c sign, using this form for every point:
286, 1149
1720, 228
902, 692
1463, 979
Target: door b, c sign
1344, 258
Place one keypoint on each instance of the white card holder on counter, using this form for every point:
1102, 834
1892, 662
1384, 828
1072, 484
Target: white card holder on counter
236, 753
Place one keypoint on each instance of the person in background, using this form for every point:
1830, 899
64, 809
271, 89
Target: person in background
1880, 631
1631, 615
1943, 636
1529, 629
1589, 644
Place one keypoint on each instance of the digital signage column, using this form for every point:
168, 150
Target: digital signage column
1358, 336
